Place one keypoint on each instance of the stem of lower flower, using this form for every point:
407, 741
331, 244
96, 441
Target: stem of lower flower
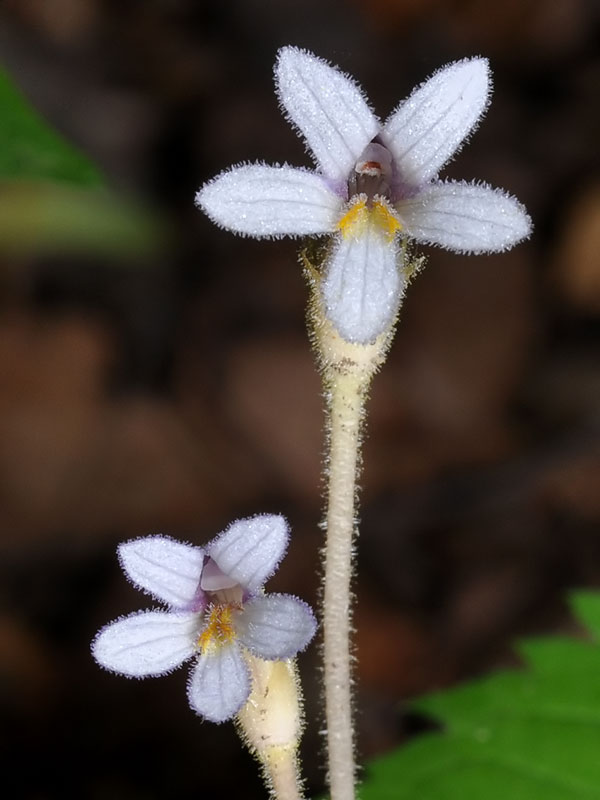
271, 724
347, 370
281, 769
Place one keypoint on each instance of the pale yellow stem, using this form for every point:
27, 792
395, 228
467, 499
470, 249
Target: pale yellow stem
346, 409
282, 773
347, 372
271, 723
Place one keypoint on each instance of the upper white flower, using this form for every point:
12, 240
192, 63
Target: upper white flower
374, 184
217, 608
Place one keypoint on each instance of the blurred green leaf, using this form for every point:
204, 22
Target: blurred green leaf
586, 606
30, 148
518, 735
60, 219
52, 198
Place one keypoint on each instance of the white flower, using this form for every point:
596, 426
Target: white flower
216, 609
374, 184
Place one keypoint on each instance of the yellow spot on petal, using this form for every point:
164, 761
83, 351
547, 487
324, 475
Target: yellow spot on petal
385, 220
355, 221
219, 629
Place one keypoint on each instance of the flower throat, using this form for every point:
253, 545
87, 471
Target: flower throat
372, 174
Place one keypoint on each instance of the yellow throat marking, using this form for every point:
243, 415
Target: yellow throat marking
219, 629
359, 216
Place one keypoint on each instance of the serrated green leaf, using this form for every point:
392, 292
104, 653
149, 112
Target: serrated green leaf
30, 148
517, 735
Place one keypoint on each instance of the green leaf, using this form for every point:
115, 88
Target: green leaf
30, 148
52, 198
58, 219
586, 606
529, 734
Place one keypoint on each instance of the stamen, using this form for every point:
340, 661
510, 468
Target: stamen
371, 168
219, 629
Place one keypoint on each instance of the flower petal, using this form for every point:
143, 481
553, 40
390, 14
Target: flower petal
258, 200
465, 217
250, 549
328, 109
363, 285
214, 579
168, 570
275, 626
219, 684
147, 643
428, 128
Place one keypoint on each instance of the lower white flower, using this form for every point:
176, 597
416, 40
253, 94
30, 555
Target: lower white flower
217, 609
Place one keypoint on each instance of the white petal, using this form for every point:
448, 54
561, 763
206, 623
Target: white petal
465, 217
257, 200
250, 549
147, 643
275, 626
363, 285
429, 127
328, 109
219, 684
166, 569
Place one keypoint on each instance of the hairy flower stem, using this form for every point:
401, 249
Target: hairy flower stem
271, 724
281, 769
345, 412
347, 370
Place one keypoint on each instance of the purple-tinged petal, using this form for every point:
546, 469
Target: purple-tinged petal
275, 626
168, 570
147, 643
250, 549
428, 128
465, 217
219, 684
327, 107
214, 579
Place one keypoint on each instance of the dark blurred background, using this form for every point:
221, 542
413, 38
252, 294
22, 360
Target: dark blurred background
179, 393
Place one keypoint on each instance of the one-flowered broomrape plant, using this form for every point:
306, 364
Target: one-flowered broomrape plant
375, 185
217, 612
